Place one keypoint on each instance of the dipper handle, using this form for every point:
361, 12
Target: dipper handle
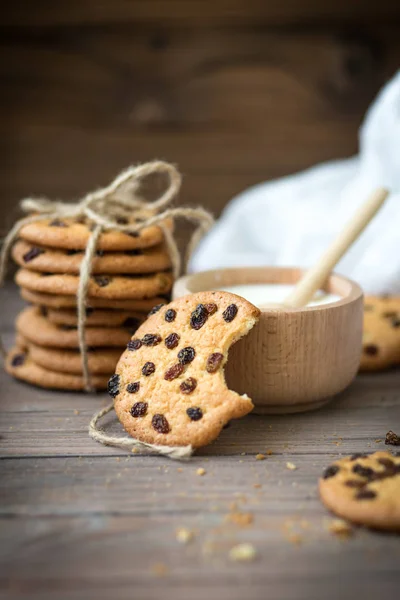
316, 276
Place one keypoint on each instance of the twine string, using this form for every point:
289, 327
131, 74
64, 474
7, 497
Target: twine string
129, 443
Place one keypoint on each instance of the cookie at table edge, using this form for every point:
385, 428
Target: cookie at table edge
162, 396
29, 372
381, 341
55, 260
100, 286
363, 490
74, 235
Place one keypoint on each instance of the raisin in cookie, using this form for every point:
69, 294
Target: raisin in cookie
169, 387
63, 301
123, 287
20, 365
381, 333
53, 260
74, 234
364, 489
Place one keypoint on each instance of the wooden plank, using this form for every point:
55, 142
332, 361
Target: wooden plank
195, 12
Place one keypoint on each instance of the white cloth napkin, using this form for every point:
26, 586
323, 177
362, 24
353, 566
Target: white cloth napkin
292, 220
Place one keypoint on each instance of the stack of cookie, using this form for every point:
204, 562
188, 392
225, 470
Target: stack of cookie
130, 275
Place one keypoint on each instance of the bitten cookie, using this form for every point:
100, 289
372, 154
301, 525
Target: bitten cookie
62, 301
73, 234
50, 260
364, 489
33, 326
381, 334
95, 318
100, 286
21, 366
169, 387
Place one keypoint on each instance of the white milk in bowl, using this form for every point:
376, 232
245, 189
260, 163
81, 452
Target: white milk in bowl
264, 294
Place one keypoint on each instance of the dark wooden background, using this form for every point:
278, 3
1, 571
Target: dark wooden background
234, 91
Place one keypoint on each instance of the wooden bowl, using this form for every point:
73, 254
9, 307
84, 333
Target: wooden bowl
294, 359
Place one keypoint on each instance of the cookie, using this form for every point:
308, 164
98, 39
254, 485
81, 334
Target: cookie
364, 489
36, 328
99, 317
50, 260
74, 234
21, 366
381, 334
100, 286
59, 301
169, 386
101, 360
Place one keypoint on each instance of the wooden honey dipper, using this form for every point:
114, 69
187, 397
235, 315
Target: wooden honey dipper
315, 277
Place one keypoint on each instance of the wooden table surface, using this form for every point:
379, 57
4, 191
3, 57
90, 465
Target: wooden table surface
79, 520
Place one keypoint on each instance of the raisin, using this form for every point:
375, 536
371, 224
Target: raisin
363, 471
155, 309
57, 223
133, 388
113, 385
188, 386
43, 311
122, 220
148, 369
186, 355
355, 483
151, 339
371, 349
386, 462
139, 409
134, 344
365, 495
18, 360
357, 455
330, 471
230, 313
160, 423
173, 372
198, 317
72, 252
213, 362
134, 234
211, 308
32, 253
395, 322
392, 439
131, 323
194, 413
170, 315
172, 341
100, 253
134, 252
102, 280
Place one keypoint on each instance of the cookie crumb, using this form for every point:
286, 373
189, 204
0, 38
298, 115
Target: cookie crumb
200, 471
76, 412
134, 450
257, 485
239, 518
184, 535
340, 528
392, 438
260, 456
295, 539
377, 441
243, 553
159, 569
291, 466
269, 452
